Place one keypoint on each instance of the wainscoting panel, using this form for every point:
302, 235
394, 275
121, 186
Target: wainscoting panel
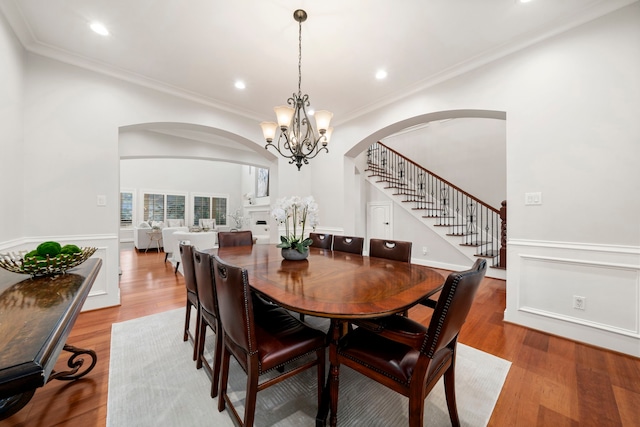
545, 278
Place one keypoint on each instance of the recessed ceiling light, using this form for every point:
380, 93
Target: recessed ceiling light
525, 1
381, 74
99, 28
240, 85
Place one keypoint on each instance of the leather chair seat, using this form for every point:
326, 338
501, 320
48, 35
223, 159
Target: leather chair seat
279, 336
394, 360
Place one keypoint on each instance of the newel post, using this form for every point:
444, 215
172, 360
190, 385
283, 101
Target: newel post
503, 235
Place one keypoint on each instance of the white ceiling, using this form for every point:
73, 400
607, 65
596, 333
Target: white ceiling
198, 48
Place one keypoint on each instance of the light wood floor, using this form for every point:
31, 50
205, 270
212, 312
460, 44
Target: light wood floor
552, 381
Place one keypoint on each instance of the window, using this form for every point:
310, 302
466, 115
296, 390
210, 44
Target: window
161, 207
206, 207
126, 209
175, 207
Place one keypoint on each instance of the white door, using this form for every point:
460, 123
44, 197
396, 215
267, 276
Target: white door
379, 220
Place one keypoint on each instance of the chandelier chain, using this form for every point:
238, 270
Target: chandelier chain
299, 57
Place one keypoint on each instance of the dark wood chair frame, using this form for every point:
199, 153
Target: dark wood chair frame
247, 333
397, 250
349, 244
235, 238
186, 254
409, 358
209, 317
321, 240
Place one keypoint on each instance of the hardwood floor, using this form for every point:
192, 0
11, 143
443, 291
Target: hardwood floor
552, 381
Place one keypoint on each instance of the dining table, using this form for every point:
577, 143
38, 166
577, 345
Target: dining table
336, 285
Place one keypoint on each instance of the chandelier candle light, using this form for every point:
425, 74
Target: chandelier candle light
295, 213
297, 140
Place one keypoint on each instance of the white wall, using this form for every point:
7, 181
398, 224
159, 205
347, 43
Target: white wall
12, 69
571, 104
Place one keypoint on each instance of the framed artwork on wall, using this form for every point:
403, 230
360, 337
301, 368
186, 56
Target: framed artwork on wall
262, 182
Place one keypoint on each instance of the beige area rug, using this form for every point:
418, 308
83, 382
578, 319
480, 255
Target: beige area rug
154, 382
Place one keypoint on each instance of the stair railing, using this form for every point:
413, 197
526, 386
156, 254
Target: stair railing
477, 223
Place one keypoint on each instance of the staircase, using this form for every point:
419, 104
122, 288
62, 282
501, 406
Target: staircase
474, 227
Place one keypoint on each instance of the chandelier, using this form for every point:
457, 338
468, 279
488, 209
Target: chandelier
297, 141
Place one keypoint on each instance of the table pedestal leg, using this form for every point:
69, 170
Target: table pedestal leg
330, 391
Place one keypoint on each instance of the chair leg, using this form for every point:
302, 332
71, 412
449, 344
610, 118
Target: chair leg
251, 396
177, 265
201, 342
166, 255
217, 356
224, 377
186, 321
196, 336
450, 393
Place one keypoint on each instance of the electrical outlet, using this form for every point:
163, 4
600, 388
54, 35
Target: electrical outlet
579, 302
424, 250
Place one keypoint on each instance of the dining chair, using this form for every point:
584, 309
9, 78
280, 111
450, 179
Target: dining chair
188, 270
322, 241
260, 340
169, 244
349, 244
408, 357
235, 238
208, 318
396, 250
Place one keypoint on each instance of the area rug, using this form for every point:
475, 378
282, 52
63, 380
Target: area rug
153, 382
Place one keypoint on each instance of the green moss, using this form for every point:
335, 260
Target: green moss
31, 254
49, 248
70, 249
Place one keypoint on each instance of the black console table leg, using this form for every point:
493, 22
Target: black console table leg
75, 363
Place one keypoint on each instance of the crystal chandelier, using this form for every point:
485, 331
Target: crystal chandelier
297, 141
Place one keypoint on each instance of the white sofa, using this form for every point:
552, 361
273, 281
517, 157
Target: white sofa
142, 238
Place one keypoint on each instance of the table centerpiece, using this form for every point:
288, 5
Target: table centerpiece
295, 213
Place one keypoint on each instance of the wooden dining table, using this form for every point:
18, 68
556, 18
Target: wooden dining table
335, 285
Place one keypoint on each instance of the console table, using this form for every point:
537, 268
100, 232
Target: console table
36, 317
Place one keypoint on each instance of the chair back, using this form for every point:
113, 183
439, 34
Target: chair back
169, 242
207, 223
349, 244
186, 253
452, 307
396, 250
322, 241
235, 305
235, 238
204, 282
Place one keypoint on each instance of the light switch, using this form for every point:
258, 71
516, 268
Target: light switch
533, 198
102, 200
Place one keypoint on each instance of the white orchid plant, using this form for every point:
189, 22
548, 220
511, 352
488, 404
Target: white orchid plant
296, 213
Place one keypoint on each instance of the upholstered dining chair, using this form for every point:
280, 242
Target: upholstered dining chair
349, 244
170, 244
408, 357
322, 241
235, 238
186, 254
396, 250
208, 317
261, 340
